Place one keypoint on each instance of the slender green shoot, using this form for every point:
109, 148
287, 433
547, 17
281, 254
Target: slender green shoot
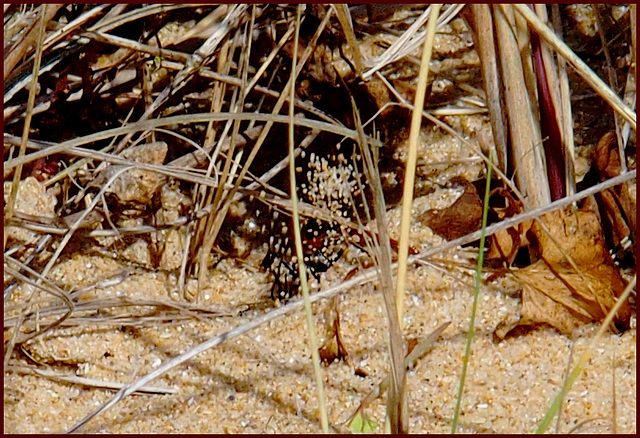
476, 295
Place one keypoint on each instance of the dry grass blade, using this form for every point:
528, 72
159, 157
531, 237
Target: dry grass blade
126, 43
50, 289
409, 182
178, 120
576, 429
264, 66
206, 26
566, 111
525, 138
66, 30
45, 15
410, 40
397, 411
485, 44
162, 310
84, 381
566, 375
170, 170
552, 119
342, 11
613, 83
410, 167
115, 18
391, 53
630, 85
35, 35
302, 274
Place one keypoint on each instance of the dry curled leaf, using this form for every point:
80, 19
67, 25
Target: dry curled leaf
565, 299
554, 293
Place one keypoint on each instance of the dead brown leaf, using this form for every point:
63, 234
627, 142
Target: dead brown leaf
564, 299
504, 244
617, 204
461, 218
554, 293
578, 234
607, 157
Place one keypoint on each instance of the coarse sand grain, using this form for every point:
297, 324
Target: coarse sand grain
263, 382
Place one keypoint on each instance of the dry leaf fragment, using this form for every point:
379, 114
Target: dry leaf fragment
607, 156
617, 205
577, 233
504, 244
461, 218
554, 293
333, 349
565, 300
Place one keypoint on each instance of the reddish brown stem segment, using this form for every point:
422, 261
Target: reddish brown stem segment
549, 127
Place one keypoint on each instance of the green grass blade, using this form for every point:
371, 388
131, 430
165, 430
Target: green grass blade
476, 295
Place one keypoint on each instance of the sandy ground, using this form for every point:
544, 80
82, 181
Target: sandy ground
263, 382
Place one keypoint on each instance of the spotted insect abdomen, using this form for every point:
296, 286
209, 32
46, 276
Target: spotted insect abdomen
328, 184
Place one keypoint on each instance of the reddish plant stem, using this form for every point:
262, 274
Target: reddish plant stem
549, 127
